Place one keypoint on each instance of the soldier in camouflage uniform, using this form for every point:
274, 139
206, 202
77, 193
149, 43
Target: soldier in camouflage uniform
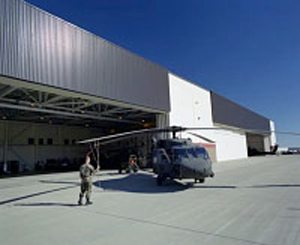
86, 171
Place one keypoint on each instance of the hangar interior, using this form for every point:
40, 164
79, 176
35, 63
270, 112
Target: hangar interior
40, 126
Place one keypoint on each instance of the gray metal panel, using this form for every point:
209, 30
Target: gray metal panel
39, 47
229, 113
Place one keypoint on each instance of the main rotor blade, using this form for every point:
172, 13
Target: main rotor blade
113, 137
203, 138
176, 129
243, 130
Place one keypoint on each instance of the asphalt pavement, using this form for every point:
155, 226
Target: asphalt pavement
251, 201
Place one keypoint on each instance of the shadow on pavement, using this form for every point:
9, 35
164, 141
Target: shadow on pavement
46, 204
294, 209
247, 187
275, 186
215, 187
140, 183
34, 195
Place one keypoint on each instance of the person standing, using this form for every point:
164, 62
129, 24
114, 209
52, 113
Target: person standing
86, 172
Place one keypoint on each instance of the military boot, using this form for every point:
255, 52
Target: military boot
80, 200
88, 202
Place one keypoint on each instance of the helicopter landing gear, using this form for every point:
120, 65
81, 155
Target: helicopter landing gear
160, 179
201, 181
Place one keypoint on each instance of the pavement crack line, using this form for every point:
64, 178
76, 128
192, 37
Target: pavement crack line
174, 227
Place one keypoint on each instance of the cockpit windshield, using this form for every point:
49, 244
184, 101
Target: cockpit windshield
180, 153
201, 152
192, 152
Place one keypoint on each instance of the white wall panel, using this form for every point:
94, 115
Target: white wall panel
191, 107
190, 104
273, 135
230, 145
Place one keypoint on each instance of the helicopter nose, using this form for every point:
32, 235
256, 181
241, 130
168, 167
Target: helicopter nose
198, 170
193, 170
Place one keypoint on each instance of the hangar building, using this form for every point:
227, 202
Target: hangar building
60, 84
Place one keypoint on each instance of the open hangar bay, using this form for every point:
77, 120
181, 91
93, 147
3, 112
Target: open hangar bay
60, 84
251, 201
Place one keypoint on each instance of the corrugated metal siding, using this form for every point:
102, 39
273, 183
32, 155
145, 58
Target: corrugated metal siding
229, 113
38, 47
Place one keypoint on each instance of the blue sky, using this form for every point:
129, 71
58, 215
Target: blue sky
245, 50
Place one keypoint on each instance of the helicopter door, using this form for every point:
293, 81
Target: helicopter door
163, 165
163, 157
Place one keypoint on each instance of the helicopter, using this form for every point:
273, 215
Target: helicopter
172, 158
181, 159
175, 158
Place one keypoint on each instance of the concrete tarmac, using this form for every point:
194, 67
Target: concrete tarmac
254, 201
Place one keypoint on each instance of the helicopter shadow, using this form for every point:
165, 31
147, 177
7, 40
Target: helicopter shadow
139, 183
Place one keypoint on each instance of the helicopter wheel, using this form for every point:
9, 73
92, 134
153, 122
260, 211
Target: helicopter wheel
201, 181
159, 180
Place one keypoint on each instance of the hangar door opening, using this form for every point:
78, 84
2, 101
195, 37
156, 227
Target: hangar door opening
255, 143
39, 128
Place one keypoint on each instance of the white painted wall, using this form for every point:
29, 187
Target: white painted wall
273, 135
230, 145
191, 107
270, 141
190, 104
